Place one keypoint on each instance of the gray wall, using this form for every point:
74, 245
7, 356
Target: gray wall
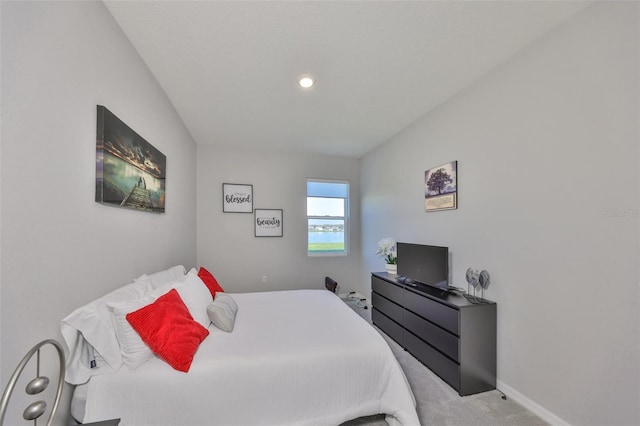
60, 249
226, 242
547, 150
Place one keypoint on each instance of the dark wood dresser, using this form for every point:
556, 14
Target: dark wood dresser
454, 338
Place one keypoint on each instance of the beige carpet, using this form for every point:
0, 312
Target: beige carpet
438, 404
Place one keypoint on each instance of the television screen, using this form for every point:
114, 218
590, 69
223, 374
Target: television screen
424, 264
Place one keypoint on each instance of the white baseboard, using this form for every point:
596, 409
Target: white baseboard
537, 409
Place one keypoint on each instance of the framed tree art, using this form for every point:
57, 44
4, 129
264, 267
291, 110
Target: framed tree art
268, 222
441, 187
237, 198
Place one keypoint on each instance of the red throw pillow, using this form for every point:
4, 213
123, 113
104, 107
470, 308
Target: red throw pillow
168, 328
210, 281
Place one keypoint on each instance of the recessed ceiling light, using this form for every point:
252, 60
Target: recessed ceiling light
306, 81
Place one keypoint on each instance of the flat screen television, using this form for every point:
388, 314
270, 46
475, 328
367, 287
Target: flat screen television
423, 264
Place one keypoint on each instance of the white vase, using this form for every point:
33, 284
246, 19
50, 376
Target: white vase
391, 269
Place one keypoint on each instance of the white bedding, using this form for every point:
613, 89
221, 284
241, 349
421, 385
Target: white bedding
297, 357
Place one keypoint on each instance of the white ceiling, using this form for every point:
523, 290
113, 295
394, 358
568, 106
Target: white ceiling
230, 68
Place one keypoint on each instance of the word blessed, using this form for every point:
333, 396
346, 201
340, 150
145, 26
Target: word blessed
268, 221
621, 212
238, 198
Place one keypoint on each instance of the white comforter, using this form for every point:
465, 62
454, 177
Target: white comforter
297, 357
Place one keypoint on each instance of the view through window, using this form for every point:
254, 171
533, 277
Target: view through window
327, 217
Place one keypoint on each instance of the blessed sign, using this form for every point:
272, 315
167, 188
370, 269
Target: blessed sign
237, 198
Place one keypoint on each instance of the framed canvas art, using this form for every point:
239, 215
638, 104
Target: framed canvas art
130, 172
237, 198
268, 222
441, 187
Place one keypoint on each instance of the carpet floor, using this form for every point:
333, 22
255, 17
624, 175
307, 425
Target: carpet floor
438, 404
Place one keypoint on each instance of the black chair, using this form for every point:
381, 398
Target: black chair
330, 284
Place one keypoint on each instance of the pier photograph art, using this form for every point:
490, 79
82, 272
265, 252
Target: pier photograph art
130, 172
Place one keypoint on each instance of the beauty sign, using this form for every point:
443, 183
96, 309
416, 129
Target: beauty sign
237, 198
268, 222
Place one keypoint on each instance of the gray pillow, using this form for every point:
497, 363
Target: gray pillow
222, 312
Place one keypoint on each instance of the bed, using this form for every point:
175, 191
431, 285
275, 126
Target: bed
299, 357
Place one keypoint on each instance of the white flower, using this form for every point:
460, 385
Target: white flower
387, 249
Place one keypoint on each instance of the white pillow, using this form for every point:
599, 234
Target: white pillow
161, 278
196, 296
222, 312
89, 334
135, 351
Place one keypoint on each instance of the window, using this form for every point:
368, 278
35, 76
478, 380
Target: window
327, 217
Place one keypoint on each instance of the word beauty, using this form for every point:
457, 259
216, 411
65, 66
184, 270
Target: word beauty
268, 221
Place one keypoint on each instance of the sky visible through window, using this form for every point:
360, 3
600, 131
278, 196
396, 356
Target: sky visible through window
318, 206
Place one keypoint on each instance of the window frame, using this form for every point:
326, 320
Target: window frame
345, 218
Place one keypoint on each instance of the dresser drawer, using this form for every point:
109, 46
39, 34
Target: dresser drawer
388, 326
388, 290
443, 315
448, 370
387, 307
442, 340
